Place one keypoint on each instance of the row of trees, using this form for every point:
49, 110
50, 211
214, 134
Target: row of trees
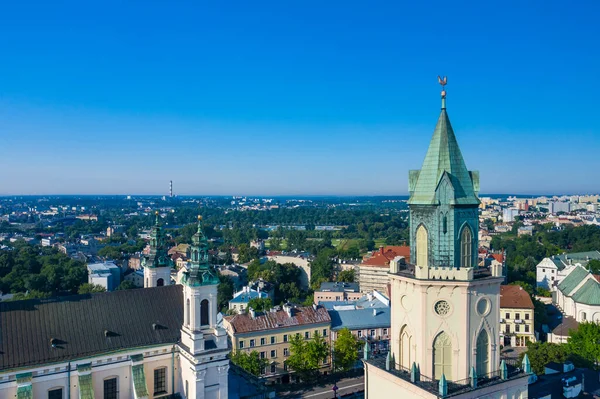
308, 356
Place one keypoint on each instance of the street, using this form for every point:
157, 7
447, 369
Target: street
345, 386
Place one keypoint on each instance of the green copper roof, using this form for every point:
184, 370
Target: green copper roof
443, 156
85, 387
588, 293
139, 381
25, 392
569, 283
200, 272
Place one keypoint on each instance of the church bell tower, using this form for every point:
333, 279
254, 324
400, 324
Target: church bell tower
157, 264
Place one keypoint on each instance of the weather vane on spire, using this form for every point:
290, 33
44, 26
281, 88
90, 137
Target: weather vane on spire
443, 81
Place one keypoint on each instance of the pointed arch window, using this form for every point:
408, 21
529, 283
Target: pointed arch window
483, 354
405, 343
442, 356
160, 282
422, 246
466, 247
204, 312
445, 224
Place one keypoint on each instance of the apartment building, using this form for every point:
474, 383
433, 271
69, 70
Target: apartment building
269, 334
516, 316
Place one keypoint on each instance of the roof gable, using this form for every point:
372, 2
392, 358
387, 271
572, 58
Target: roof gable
569, 283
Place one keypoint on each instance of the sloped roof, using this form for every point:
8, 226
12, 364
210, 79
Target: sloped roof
569, 283
588, 293
244, 323
360, 318
515, 297
384, 255
78, 324
443, 156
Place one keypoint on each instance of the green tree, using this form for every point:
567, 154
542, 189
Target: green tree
594, 266
542, 353
110, 252
87, 288
345, 350
251, 362
346, 276
260, 304
306, 357
224, 291
125, 285
585, 343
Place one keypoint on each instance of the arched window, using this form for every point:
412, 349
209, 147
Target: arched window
187, 389
204, 312
187, 312
195, 256
483, 354
442, 356
445, 224
160, 282
583, 316
466, 247
422, 246
111, 387
147, 285
405, 343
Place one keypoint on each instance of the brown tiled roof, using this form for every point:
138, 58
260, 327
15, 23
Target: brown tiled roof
384, 255
498, 257
514, 296
568, 323
243, 323
78, 324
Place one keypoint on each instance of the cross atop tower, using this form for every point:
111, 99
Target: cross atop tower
443, 81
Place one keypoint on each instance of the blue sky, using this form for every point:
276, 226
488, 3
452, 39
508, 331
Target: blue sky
294, 97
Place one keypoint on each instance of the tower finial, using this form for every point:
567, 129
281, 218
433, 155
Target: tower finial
156, 217
443, 81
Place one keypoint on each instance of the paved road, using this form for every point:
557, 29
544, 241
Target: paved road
346, 386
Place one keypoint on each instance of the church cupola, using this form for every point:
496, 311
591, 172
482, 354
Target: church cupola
157, 264
443, 202
200, 298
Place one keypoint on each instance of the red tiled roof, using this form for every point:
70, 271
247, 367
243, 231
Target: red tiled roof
514, 296
597, 277
243, 323
384, 255
498, 257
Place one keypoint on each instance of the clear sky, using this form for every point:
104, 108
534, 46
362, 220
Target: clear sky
294, 97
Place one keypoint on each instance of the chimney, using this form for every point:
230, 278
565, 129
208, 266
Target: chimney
374, 312
252, 313
288, 309
314, 306
381, 250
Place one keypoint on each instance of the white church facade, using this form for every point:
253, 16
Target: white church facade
159, 342
445, 309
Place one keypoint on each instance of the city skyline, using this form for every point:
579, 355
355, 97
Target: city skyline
224, 106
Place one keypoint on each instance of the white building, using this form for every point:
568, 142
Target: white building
106, 274
578, 295
240, 299
144, 343
551, 270
509, 214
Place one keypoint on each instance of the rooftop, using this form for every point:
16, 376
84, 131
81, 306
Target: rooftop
515, 297
340, 287
85, 325
384, 255
244, 323
454, 387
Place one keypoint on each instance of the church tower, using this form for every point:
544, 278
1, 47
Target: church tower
158, 264
205, 363
445, 315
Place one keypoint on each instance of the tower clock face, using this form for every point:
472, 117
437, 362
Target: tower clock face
442, 308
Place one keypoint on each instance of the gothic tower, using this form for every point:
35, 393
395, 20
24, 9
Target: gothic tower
158, 264
205, 341
445, 310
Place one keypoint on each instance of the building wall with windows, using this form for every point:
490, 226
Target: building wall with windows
273, 344
56, 377
516, 316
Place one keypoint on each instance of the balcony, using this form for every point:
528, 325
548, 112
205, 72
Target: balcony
431, 385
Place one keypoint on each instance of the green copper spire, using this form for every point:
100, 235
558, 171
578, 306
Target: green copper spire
200, 272
159, 253
443, 156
